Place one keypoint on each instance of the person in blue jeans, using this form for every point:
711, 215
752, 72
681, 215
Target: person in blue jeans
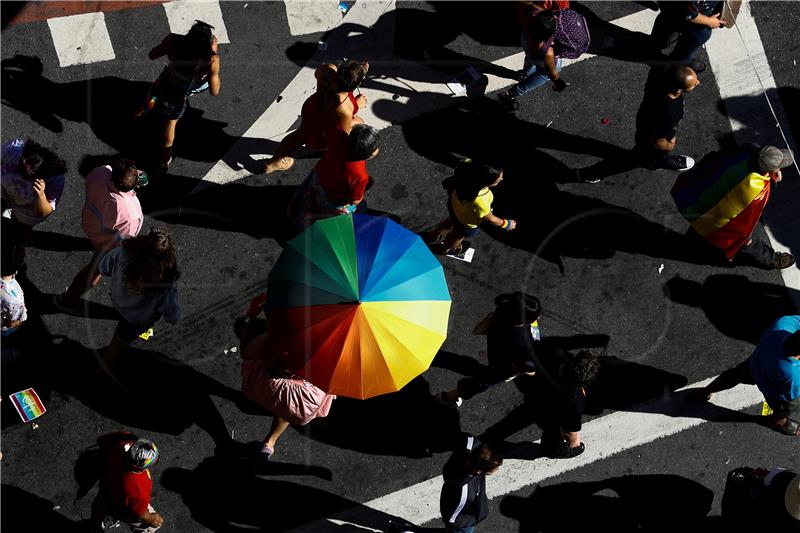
541, 63
693, 21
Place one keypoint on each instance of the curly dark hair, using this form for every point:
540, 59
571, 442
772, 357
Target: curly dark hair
42, 162
582, 368
152, 263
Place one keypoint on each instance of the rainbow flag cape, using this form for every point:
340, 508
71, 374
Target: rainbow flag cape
28, 404
722, 199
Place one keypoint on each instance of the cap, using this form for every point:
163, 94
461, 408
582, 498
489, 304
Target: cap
792, 497
771, 159
141, 454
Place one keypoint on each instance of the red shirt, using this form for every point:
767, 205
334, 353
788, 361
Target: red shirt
344, 181
126, 493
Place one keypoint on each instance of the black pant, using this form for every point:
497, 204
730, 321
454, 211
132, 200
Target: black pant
760, 251
471, 386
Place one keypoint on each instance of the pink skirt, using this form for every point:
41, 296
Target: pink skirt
295, 400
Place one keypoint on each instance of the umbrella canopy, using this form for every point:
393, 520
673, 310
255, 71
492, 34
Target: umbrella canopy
359, 305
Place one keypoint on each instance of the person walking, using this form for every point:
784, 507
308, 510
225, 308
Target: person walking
111, 213
547, 38
143, 272
314, 120
126, 484
339, 181
723, 200
265, 381
774, 366
558, 393
32, 185
661, 111
511, 341
463, 502
469, 205
693, 21
757, 499
193, 68
12, 297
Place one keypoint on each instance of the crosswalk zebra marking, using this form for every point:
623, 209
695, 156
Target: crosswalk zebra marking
81, 39
181, 14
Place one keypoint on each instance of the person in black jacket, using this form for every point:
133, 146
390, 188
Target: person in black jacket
511, 347
463, 502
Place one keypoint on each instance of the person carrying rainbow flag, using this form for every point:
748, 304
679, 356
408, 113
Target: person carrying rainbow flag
724, 196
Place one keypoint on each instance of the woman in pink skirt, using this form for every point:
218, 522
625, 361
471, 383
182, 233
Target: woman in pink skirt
264, 381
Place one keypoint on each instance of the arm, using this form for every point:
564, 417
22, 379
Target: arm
214, 82
41, 204
255, 308
164, 48
504, 223
343, 118
712, 22
151, 519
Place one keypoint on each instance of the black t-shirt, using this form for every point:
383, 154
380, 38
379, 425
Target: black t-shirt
506, 343
559, 400
659, 115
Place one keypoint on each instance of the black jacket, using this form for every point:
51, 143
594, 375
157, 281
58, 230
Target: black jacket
463, 502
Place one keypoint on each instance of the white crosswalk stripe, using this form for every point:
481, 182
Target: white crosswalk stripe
181, 14
312, 16
81, 39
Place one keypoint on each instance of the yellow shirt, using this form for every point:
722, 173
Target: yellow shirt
471, 213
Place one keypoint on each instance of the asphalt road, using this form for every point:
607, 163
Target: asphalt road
600, 279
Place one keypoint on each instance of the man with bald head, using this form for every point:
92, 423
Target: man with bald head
657, 120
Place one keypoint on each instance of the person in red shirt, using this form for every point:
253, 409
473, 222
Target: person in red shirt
126, 484
340, 179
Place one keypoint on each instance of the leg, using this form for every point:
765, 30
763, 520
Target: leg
692, 37
279, 425
663, 29
437, 234
537, 78
86, 279
728, 379
167, 139
141, 528
759, 251
280, 160
124, 334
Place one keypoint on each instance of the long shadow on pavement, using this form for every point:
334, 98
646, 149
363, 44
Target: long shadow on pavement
24, 509
738, 307
655, 502
223, 495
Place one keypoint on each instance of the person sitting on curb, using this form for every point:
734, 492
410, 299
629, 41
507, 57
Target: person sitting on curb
463, 502
774, 366
511, 347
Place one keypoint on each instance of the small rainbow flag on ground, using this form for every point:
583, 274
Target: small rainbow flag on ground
28, 404
723, 199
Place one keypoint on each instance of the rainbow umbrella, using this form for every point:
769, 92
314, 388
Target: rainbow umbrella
359, 305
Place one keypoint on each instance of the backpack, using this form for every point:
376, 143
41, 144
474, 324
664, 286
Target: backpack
571, 39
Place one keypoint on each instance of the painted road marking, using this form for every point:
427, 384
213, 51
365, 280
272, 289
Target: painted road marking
81, 39
605, 437
740, 85
306, 17
389, 87
181, 14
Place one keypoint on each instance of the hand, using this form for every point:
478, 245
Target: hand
38, 187
257, 305
559, 84
361, 100
366, 65
157, 520
512, 224
714, 21
343, 210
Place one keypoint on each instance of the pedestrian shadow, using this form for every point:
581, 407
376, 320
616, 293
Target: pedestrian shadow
109, 112
23, 507
616, 42
648, 502
404, 423
724, 297
619, 386
249, 503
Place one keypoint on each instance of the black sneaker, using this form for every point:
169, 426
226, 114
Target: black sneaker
782, 260
508, 100
678, 162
